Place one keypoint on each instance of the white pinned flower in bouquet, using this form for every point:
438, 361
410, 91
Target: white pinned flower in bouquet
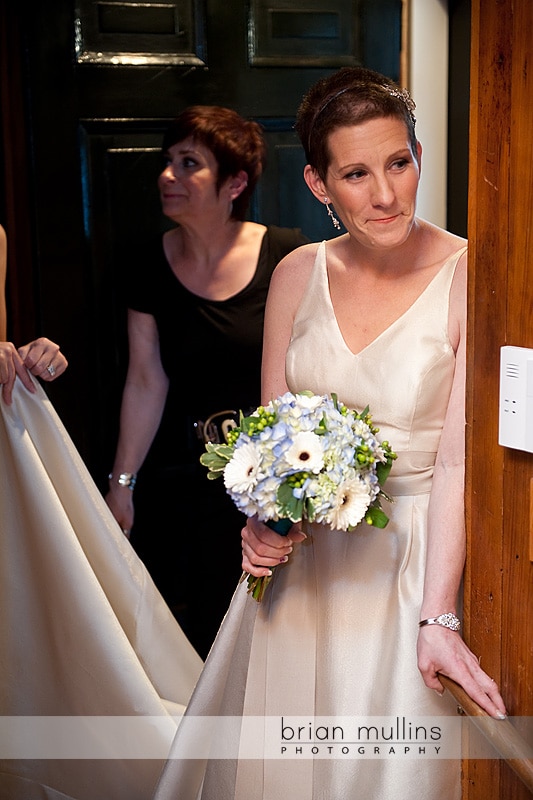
243, 471
304, 456
305, 452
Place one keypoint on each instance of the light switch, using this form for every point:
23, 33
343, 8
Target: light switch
516, 398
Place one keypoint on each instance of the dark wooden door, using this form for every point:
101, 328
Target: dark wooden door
87, 90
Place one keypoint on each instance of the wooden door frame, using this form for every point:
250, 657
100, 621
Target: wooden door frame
498, 594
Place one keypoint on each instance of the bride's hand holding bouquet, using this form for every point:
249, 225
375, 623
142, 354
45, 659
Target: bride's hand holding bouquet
303, 456
263, 549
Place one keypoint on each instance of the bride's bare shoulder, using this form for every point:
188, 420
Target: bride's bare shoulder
442, 241
297, 265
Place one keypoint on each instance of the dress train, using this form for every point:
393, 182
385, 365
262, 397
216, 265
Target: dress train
85, 636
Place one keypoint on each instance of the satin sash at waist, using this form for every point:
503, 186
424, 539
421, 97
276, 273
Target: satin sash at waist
411, 473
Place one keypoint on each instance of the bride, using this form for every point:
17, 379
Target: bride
376, 315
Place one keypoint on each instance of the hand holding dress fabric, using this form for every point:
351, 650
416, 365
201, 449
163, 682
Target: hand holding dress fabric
12, 365
43, 359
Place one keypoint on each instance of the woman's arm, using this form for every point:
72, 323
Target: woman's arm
143, 401
441, 649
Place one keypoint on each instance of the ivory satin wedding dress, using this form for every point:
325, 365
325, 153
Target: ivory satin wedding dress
336, 633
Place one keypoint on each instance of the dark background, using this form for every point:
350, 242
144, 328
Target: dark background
86, 91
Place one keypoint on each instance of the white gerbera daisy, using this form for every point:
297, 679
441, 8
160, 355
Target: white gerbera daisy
242, 472
352, 499
305, 452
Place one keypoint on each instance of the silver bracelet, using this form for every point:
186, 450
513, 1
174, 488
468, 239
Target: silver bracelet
128, 479
447, 620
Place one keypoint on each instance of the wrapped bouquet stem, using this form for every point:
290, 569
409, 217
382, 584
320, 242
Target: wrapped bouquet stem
303, 456
257, 585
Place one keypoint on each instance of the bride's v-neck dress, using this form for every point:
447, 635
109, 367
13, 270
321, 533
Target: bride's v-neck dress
335, 635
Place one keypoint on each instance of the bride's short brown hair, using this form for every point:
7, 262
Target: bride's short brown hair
348, 97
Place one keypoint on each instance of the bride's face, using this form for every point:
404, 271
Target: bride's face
372, 181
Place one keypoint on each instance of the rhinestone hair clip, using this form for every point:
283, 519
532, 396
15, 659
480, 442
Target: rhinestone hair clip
405, 97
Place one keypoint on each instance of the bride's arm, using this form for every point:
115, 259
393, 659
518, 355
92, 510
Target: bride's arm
262, 548
284, 295
439, 648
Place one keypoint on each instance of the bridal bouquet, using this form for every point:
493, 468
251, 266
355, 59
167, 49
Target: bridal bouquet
303, 456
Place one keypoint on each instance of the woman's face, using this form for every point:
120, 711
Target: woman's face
187, 185
372, 181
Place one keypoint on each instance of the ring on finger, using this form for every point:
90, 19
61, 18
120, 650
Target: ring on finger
51, 369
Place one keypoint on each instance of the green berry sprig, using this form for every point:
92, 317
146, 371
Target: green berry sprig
256, 424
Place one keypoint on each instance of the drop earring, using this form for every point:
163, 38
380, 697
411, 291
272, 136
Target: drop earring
331, 215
